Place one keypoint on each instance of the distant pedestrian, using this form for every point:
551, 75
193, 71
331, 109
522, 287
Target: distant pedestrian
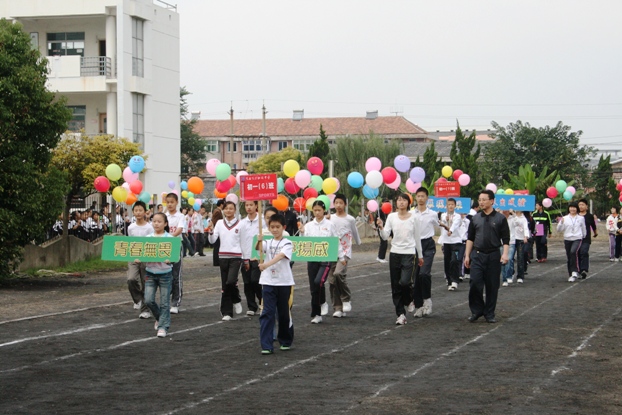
573, 227
590, 227
543, 230
615, 238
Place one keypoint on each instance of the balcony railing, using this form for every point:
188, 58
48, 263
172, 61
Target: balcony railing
96, 66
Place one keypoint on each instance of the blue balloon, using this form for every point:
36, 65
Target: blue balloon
136, 164
370, 193
197, 206
184, 185
356, 179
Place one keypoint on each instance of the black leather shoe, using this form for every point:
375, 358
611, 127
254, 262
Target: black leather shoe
491, 320
473, 318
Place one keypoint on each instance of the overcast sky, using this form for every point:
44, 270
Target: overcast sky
430, 61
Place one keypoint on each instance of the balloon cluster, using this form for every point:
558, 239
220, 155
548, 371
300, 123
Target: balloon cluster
494, 189
132, 188
309, 182
619, 189
562, 189
458, 175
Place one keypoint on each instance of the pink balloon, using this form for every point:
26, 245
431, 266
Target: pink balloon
331, 197
303, 178
373, 163
571, 189
129, 176
411, 186
211, 165
232, 198
547, 203
372, 205
338, 184
464, 179
126, 186
396, 183
240, 174
491, 186
315, 165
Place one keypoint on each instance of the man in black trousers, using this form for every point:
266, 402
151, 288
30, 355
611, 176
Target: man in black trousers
488, 230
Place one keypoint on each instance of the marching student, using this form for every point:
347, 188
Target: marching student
176, 222
451, 240
187, 243
428, 220
136, 270
405, 246
198, 229
277, 281
519, 230
590, 226
250, 267
229, 231
543, 229
613, 231
573, 226
345, 226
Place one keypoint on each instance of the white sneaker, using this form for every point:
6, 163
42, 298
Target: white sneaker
174, 310
611, 259
411, 307
338, 314
401, 320
324, 309
250, 313
510, 280
138, 305
316, 320
196, 254
227, 318
145, 314
161, 333
572, 278
237, 307
418, 312
427, 307
155, 326
451, 288
382, 261
617, 259
505, 284
454, 284
520, 280
347, 306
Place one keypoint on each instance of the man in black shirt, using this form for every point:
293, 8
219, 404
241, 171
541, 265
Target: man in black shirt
488, 230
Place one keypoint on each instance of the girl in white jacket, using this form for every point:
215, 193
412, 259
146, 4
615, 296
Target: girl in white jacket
614, 235
573, 226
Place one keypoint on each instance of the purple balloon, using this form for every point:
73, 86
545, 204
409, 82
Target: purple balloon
402, 163
171, 184
417, 175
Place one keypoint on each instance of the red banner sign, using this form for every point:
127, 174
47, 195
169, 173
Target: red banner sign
446, 189
258, 187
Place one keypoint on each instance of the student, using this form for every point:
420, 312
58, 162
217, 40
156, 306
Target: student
176, 223
573, 226
229, 231
507, 269
382, 248
318, 270
199, 232
590, 226
463, 230
216, 217
159, 274
187, 244
613, 231
451, 240
250, 267
519, 228
543, 228
428, 220
405, 246
345, 226
136, 270
277, 281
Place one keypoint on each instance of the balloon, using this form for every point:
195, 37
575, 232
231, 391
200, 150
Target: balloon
126, 186
130, 199
338, 183
223, 170
441, 180
329, 186
388, 175
191, 201
309, 193
184, 194
464, 179
315, 165
232, 198
374, 179
101, 184
281, 202
163, 195
144, 197
457, 173
171, 184
417, 175
223, 186
370, 193
620, 198
232, 181
316, 182
386, 207
113, 172
309, 203
491, 186
509, 191
299, 204
571, 189
136, 187
290, 168
324, 199
220, 195
618, 186
396, 183
547, 203
356, 179
372, 164
119, 193
176, 192
290, 186
190, 194
411, 186
500, 192
567, 195
130, 176
195, 185
372, 205
136, 164
446, 171
561, 186
197, 205
211, 165
402, 163
303, 178
332, 200
183, 185
280, 185
240, 174
552, 192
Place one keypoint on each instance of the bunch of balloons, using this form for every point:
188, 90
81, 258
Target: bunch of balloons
458, 175
561, 188
619, 189
309, 181
132, 188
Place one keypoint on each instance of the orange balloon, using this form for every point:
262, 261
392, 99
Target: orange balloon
220, 195
195, 185
281, 202
131, 199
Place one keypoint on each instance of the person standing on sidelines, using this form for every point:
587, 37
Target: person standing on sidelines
573, 227
428, 220
250, 267
590, 226
345, 226
451, 241
136, 270
488, 231
198, 231
612, 230
176, 223
543, 228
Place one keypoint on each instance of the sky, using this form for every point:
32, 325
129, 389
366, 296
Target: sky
435, 62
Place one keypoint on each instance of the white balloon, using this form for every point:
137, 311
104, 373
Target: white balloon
374, 179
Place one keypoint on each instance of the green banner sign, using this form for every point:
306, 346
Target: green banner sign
308, 249
143, 248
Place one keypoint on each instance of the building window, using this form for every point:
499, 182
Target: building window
252, 145
137, 47
282, 145
78, 118
211, 146
138, 116
303, 145
65, 44
235, 147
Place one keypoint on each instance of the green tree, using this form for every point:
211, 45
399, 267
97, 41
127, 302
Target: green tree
432, 166
601, 180
526, 179
272, 163
192, 146
554, 147
464, 158
320, 149
31, 122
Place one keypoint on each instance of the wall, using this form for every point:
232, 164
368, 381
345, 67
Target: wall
55, 254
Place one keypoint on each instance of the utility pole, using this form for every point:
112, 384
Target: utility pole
264, 150
231, 136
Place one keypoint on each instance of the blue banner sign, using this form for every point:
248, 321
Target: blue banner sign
525, 203
439, 204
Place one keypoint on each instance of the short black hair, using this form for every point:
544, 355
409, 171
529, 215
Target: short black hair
320, 204
139, 203
277, 217
173, 195
583, 200
342, 197
488, 192
616, 208
574, 205
451, 199
404, 196
220, 203
270, 209
422, 190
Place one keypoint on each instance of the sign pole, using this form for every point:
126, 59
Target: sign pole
259, 204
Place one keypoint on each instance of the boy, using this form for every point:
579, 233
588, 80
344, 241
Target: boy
451, 239
136, 270
427, 220
250, 267
176, 223
278, 287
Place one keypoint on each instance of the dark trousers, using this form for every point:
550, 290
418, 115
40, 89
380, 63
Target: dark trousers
584, 257
382, 249
215, 253
252, 289
520, 259
572, 255
423, 275
229, 271
188, 246
401, 271
177, 289
485, 273
541, 247
618, 247
452, 262
277, 302
199, 242
318, 273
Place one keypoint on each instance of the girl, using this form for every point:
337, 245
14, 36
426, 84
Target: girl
612, 229
159, 274
405, 244
573, 226
318, 271
229, 231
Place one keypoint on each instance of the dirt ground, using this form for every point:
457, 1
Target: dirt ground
75, 346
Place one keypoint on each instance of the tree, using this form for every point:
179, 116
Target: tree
464, 158
601, 180
192, 145
32, 120
432, 166
271, 163
320, 148
554, 147
526, 179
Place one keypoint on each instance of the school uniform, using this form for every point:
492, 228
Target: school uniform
136, 271
574, 231
422, 290
346, 230
451, 247
252, 288
229, 233
175, 221
318, 271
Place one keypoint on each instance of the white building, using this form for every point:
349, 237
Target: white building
117, 62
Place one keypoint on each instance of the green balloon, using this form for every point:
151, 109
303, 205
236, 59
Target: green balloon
316, 183
324, 199
500, 192
145, 197
223, 171
561, 186
280, 185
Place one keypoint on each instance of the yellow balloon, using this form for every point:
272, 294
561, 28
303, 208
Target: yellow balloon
329, 186
509, 192
119, 194
309, 204
290, 168
191, 201
184, 194
447, 171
